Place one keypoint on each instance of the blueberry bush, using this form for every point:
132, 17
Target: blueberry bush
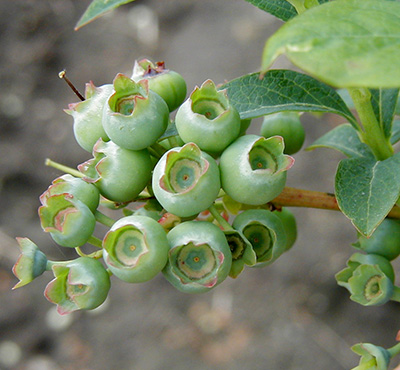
198, 199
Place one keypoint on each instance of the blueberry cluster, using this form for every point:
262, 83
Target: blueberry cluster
194, 191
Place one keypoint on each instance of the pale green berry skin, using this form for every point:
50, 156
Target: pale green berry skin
134, 117
81, 284
208, 119
369, 278
88, 115
186, 181
242, 252
74, 187
287, 125
30, 264
369, 352
69, 221
199, 257
119, 174
358, 259
244, 125
290, 226
253, 169
265, 232
135, 249
170, 85
370, 286
385, 240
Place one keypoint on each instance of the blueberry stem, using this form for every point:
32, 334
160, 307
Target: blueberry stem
104, 219
222, 222
63, 76
63, 168
292, 197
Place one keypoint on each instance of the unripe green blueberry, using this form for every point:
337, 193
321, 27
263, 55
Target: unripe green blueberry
199, 257
69, 221
120, 174
265, 232
242, 252
358, 259
170, 85
385, 240
369, 278
253, 169
30, 264
88, 115
369, 286
186, 180
287, 125
81, 284
289, 224
244, 125
208, 119
134, 117
74, 187
135, 248
375, 357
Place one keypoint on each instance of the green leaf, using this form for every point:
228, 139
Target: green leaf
395, 132
345, 95
97, 8
384, 103
281, 9
345, 43
345, 139
169, 132
366, 190
397, 110
283, 90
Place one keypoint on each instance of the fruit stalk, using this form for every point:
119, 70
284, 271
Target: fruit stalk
293, 197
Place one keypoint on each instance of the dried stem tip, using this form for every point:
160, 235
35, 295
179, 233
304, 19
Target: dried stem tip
63, 76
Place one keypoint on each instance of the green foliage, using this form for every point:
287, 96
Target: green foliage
395, 132
384, 103
283, 90
360, 183
353, 38
97, 8
179, 197
344, 139
281, 9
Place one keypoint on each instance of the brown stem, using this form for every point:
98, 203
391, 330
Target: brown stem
64, 77
292, 197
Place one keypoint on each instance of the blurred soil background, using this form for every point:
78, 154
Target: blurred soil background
291, 315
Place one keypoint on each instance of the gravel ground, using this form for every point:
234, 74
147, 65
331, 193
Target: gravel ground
290, 315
